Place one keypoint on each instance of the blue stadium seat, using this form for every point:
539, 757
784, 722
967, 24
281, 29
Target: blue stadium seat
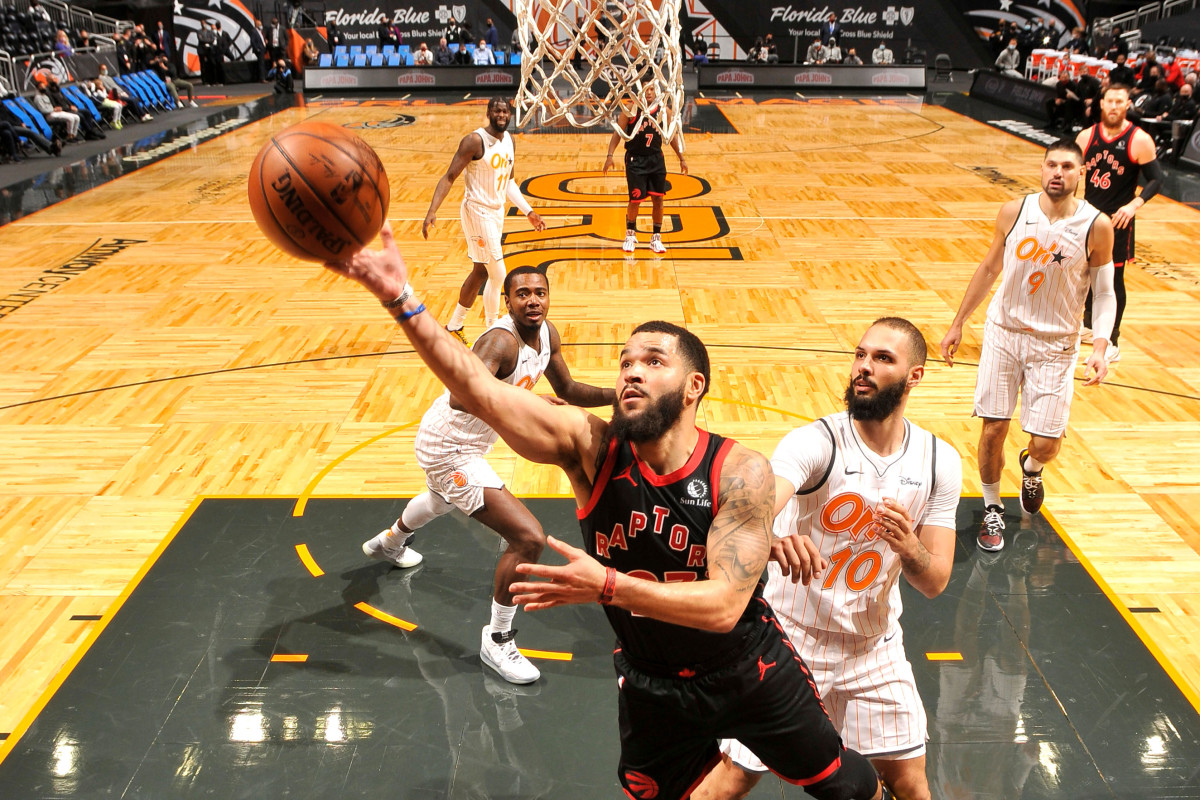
499, 56
32, 118
514, 58
471, 48
388, 49
454, 47
341, 60
341, 50
403, 49
393, 59
409, 60
360, 59
376, 59
83, 102
326, 60
371, 50
355, 49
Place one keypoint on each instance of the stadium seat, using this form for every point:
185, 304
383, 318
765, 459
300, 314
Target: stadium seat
341, 50
454, 47
326, 60
341, 60
394, 60
388, 49
514, 59
376, 59
371, 50
360, 59
409, 60
403, 49
355, 49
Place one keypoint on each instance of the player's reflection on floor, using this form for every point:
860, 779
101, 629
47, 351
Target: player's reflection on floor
980, 697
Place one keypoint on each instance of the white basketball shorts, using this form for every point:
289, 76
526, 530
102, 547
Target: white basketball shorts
484, 229
1040, 368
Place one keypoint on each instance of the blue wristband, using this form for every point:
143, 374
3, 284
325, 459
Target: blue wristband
407, 315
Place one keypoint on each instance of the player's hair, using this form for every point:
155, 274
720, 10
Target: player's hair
690, 347
1065, 146
525, 270
917, 350
1114, 86
499, 99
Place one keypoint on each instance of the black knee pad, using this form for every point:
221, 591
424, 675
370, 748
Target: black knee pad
855, 779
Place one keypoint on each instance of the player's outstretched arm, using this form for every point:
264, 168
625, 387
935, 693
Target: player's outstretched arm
469, 149
738, 546
982, 280
566, 387
1104, 299
536, 431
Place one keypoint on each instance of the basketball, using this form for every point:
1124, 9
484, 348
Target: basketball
318, 191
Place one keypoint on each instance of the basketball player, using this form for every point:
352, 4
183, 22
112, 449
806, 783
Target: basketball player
676, 525
487, 156
451, 444
862, 496
1115, 152
645, 169
1049, 247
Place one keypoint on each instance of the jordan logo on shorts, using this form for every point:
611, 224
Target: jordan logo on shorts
641, 786
762, 668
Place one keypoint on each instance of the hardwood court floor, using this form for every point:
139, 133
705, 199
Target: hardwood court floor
175, 354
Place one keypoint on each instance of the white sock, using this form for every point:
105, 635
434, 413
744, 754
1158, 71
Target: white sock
458, 317
991, 494
1032, 464
492, 290
502, 617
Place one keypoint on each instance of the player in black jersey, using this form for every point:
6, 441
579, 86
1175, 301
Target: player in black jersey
645, 169
1115, 152
677, 531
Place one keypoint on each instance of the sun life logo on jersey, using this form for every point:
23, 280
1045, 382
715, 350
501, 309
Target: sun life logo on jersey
697, 494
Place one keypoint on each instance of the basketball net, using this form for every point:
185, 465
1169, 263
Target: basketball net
587, 60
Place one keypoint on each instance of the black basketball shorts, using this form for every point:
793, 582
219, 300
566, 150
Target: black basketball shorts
646, 184
1123, 244
765, 698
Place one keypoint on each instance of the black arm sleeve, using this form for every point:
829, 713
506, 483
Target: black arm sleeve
1154, 180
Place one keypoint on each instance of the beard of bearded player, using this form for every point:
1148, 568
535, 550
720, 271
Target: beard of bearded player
656, 418
876, 408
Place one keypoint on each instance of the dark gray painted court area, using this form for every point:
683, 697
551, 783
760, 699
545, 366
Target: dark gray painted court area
1055, 696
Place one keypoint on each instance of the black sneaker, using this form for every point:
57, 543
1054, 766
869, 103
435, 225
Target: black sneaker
1032, 493
991, 532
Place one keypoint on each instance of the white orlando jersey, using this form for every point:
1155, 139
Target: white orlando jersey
1045, 276
487, 177
446, 432
840, 484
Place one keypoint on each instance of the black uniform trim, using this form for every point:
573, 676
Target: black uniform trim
828, 467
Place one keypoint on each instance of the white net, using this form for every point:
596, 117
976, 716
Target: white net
587, 59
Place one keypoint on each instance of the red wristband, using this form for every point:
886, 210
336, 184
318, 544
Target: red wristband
610, 586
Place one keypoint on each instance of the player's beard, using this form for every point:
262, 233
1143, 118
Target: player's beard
499, 127
878, 407
656, 418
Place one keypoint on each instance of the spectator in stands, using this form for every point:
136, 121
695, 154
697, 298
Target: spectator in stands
87, 124
38, 11
1077, 43
62, 45
833, 53
124, 57
117, 92
1157, 104
443, 57
309, 54
1150, 59
333, 35
387, 35
423, 57
164, 42
1117, 46
699, 51
85, 40
95, 90
1065, 109
1173, 74
56, 114
1089, 88
206, 49
998, 40
816, 53
1009, 61
882, 54
50, 148
770, 49
852, 59
756, 52
1151, 75
10, 148
143, 51
276, 41
258, 46
282, 75
1184, 106
483, 55
224, 51
1121, 73
165, 69
492, 36
830, 29
515, 42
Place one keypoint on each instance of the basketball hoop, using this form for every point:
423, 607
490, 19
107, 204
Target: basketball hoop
590, 59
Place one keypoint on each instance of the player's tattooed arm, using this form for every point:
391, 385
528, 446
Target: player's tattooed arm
739, 541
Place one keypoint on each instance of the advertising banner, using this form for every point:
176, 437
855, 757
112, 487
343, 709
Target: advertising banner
799, 78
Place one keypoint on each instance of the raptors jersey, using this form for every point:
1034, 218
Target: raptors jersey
643, 150
841, 484
656, 527
1045, 276
487, 177
1111, 176
447, 432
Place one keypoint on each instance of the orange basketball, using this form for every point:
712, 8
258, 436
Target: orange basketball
318, 191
